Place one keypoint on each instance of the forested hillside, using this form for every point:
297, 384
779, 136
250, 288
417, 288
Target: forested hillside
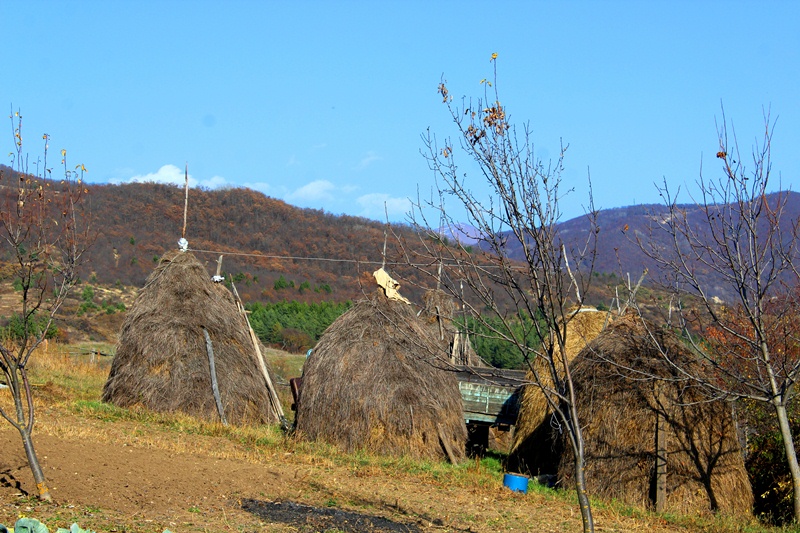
331, 255
274, 251
282, 258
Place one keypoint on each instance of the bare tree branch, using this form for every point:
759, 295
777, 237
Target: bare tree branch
524, 303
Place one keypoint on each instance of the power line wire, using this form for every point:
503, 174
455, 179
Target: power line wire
298, 258
333, 260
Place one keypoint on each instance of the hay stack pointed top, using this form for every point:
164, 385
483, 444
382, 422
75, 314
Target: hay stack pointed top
162, 361
377, 381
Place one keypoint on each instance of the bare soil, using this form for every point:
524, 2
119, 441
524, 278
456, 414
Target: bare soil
117, 477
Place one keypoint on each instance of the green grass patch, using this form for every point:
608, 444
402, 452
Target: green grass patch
102, 411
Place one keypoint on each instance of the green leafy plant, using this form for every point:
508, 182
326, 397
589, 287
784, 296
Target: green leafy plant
38, 325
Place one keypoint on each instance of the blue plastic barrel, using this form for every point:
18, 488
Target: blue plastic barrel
516, 482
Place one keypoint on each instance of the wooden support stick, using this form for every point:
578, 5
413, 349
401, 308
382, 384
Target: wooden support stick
186, 200
439, 320
446, 445
571, 277
385, 237
271, 392
214, 385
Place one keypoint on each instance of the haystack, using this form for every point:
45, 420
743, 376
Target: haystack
377, 381
438, 313
162, 361
584, 325
648, 430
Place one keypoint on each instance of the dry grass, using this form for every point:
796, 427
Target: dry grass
464, 497
285, 366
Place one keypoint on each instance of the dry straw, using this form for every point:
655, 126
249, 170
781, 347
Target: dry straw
377, 380
535, 413
627, 390
162, 362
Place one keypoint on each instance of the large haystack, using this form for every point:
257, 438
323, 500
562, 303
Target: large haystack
438, 313
377, 381
584, 325
162, 361
628, 416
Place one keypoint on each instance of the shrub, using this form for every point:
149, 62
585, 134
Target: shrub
14, 330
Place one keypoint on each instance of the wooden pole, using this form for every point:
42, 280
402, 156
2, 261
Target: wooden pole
385, 234
385, 237
271, 392
456, 350
214, 385
186, 199
446, 444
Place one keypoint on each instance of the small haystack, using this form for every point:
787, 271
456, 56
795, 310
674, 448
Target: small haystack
652, 441
377, 381
438, 312
162, 361
585, 325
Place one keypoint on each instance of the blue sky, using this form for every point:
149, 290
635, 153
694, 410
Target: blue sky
323, 103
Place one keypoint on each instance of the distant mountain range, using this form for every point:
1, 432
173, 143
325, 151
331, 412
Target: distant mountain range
275, 251
618, 251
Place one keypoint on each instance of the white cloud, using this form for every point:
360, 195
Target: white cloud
215, 182
367, 160
165, 174
376, 205
171, 174
260, 186
316, 191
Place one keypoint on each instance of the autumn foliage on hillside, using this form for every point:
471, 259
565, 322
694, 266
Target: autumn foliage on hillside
331, 256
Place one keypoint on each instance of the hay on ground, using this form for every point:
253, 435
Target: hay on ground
162, 362
377, 381
619, 408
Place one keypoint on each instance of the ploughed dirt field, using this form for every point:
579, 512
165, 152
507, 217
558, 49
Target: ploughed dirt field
129, 476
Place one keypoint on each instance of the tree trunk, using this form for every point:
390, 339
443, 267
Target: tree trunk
791, 455
661, 451
36, 468
583, 496
580, 475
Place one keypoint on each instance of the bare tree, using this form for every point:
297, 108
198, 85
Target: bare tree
735, 239
526, 303
44, 239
